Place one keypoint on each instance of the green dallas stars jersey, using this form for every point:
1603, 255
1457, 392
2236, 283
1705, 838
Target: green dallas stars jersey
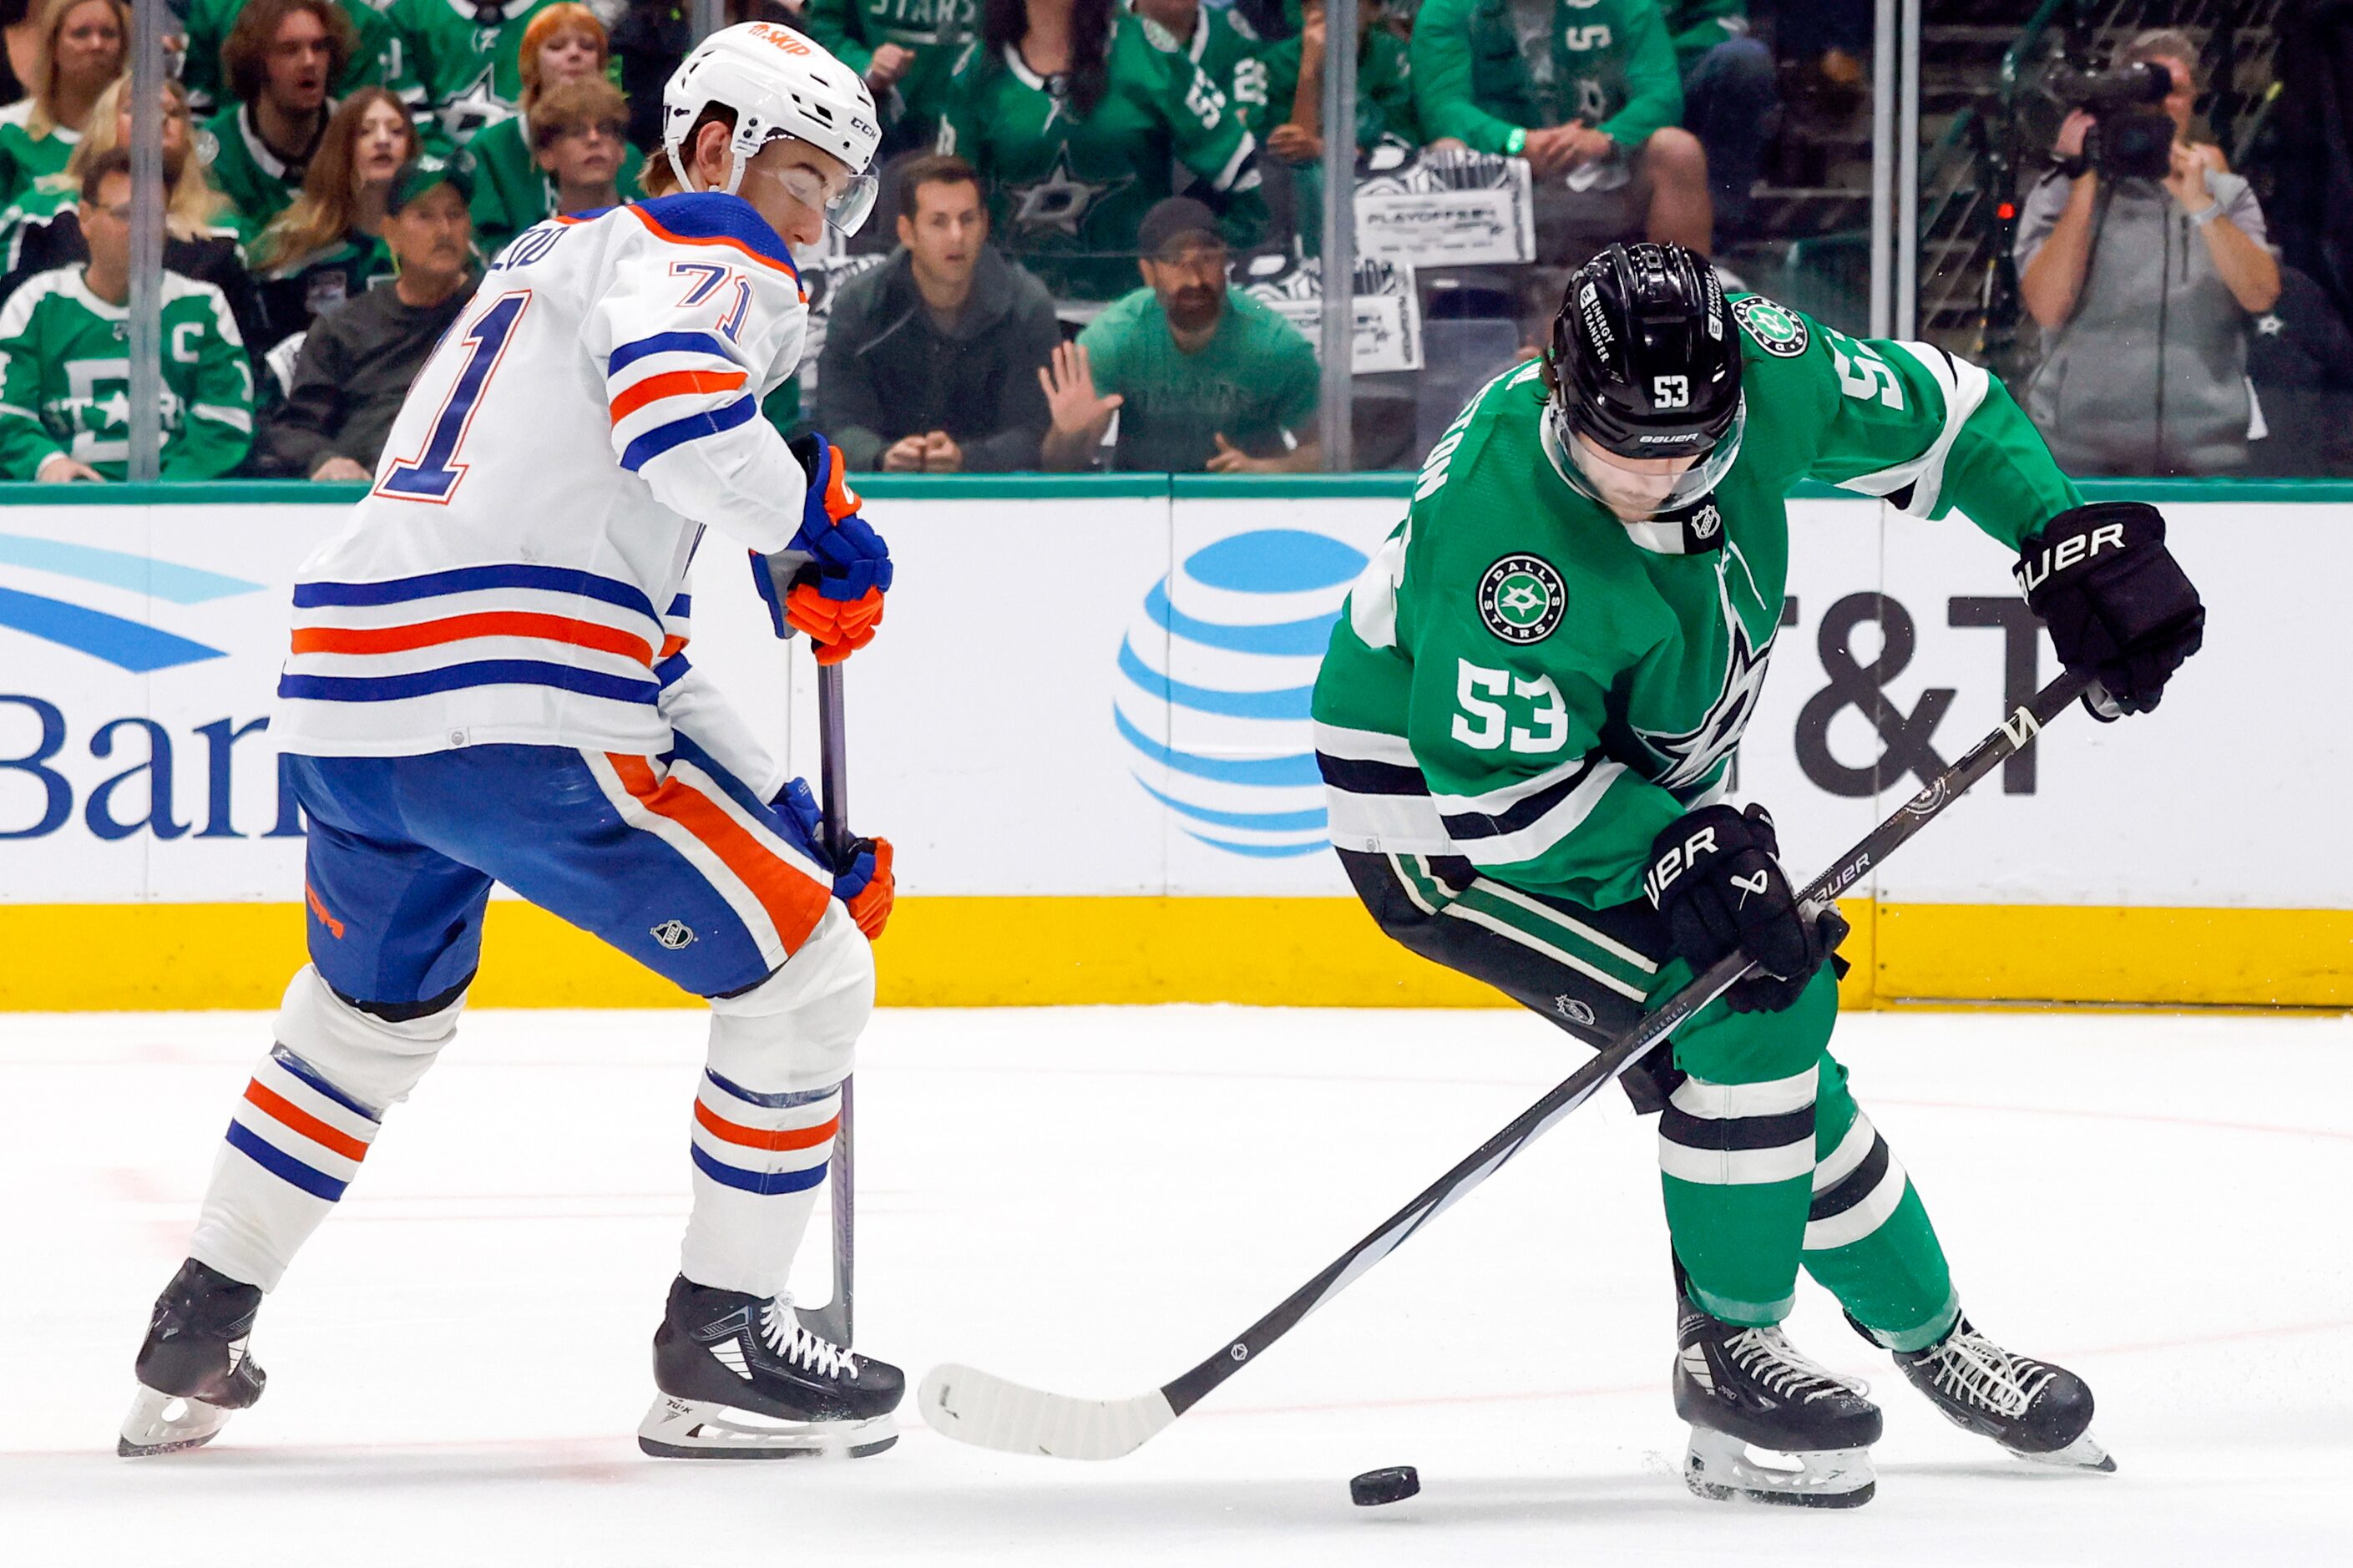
461, 63
1612, 65
65, 379
257, 182
937, 30
512, 191
209, 22
1227, 52
27, 159
1065, 194
1565, 686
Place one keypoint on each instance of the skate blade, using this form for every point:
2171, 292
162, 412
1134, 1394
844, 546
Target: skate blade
2083, 1454
1718, 1466
698, 1429
168, 1423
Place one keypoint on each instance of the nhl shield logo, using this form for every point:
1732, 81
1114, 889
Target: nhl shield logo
1574, 1010
1709, 520
673, 934
1522, 599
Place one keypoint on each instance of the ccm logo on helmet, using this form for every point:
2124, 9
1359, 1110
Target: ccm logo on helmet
2032, 574
784, 38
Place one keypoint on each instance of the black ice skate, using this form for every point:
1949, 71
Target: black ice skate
193, 1369
741, 1379
2035, 1410
1743, 1388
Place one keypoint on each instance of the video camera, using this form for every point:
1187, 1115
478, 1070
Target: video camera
2132, 140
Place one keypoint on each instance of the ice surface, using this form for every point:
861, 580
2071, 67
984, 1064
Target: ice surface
1093, 1199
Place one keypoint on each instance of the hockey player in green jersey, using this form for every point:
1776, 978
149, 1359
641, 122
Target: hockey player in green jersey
1220, 42
65, 370
1526, 721
1075, 123
460, 68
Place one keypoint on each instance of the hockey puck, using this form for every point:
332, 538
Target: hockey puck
1377, 1487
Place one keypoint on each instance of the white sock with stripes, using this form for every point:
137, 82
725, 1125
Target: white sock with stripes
307, 1120
770, 1101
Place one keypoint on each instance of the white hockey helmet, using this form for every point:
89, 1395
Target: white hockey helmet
779, 83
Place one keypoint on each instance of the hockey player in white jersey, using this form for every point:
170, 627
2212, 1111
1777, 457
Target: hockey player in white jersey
487, 681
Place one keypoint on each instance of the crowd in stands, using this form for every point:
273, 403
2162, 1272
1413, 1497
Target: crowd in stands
1069, 188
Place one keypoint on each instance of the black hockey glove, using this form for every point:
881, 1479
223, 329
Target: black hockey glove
2116, 603
1715, 876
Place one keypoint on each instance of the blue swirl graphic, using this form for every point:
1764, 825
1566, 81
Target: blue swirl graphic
1288, 570
126, 645
1274, 561
1290, 702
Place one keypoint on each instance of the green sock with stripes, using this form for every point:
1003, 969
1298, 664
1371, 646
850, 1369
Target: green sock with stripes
1868, 1239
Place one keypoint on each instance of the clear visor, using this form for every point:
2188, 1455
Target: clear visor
846, 199
1639, 488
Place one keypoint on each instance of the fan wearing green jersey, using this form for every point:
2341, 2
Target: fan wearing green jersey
280, 59
461, 63
80, 50
515, 185
65, 367
1589, 88
1526, 720
209, 22
1075, 123
1221, 42
906, 50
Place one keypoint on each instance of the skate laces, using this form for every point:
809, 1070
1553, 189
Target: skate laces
781, 1327
1974, 1367
1764, 1354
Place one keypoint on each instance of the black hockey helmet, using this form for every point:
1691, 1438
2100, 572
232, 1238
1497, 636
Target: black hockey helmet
1645, 363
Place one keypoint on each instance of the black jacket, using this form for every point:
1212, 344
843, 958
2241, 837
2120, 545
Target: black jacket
887, 372
354, 372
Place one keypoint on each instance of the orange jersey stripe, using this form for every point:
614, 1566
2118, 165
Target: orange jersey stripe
719, 1126
484, 624
671, 383
795, 900
671, 645
284, 1110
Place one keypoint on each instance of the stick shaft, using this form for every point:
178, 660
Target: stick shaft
2012, 734
834, 1320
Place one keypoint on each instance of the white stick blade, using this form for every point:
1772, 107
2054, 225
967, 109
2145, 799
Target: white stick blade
978, 1407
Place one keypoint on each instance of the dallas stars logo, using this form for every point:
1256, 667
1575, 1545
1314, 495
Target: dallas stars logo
1780, 331
1522, 599
1061, 201
1692, 755
476, 108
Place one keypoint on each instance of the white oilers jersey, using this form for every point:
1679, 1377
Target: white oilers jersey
516, 574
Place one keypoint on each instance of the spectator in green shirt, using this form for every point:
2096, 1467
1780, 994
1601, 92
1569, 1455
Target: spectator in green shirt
1294, 87
1566, 86
280, 59
906, 50
1201, 376
1728, 95
82, 45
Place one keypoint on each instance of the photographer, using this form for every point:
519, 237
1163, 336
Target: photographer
2142, 258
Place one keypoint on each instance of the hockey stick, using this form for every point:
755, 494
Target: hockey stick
831, 1322
976, 1407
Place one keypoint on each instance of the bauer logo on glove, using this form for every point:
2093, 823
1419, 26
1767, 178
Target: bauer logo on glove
829, 581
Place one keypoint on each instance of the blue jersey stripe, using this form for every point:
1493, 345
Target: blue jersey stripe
764, 1184
715, 215
663, 438
669, 669
469, 579
665, 343
284, 1166
456, 677
784, 1101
